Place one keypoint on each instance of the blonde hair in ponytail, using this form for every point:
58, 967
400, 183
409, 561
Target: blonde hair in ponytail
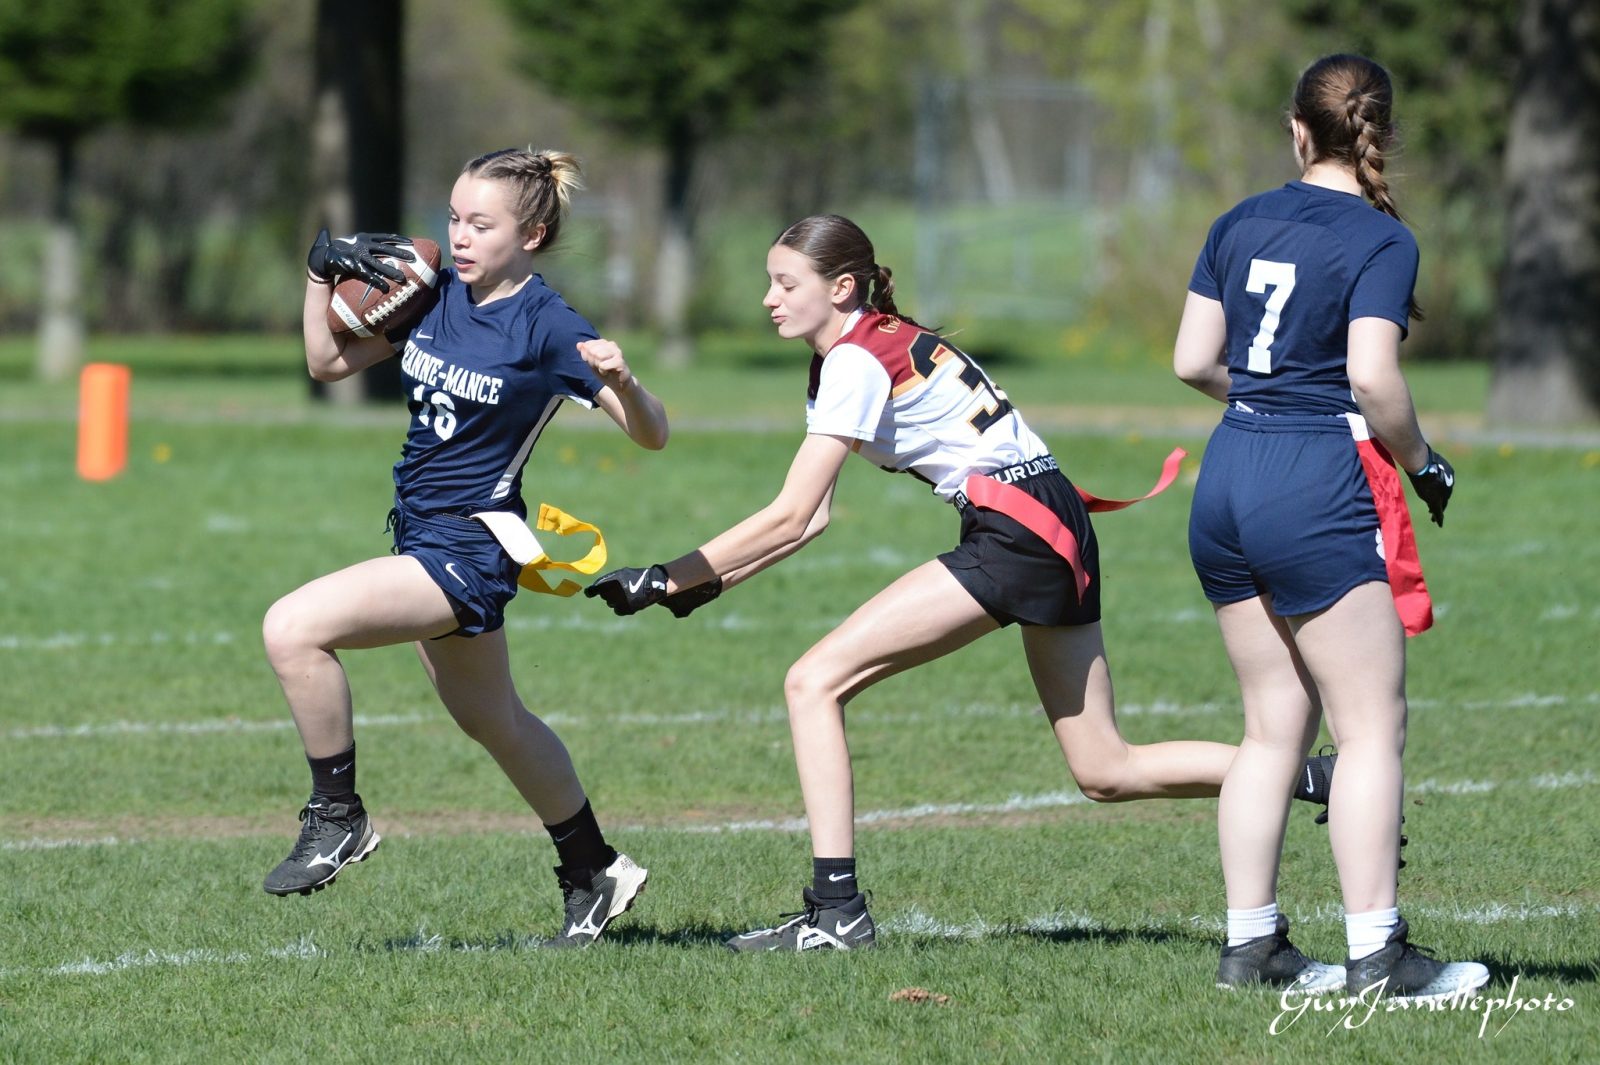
541, 183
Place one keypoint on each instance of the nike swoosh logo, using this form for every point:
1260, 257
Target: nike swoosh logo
836, 877
1310, 787
450, 568
330, 859
843, 929
424, 336
342, 768
633, 589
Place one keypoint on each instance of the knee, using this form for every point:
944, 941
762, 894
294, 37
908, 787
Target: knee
1100, 778
285, 632
808, 684
1101, 787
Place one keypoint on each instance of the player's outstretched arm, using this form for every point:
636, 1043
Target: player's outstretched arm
630, 404
798, 515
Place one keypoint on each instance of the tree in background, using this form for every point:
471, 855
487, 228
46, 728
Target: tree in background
70, 67
677, 74
1547, 359
358, 144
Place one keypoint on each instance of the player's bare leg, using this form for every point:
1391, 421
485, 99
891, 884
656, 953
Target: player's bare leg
922, 616
473, 679
371, 604
1073, 680
376, 603
1280, 724
1367, 709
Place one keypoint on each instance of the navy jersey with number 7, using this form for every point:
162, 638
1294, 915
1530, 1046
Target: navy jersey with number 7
1292, 268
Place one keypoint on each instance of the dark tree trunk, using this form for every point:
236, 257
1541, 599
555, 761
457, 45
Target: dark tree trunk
1547, 363
358, 143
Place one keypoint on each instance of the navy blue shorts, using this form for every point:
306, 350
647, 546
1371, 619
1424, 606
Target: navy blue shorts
465, 560
1017, 577
1282, 507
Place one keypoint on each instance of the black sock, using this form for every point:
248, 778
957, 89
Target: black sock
579, 843
833, 878
334, 778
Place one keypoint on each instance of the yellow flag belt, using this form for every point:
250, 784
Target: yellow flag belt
524, 547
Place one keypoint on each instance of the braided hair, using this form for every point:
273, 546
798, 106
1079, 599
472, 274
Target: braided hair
1346, 104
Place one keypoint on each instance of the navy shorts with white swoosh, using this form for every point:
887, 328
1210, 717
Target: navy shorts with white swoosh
465, 560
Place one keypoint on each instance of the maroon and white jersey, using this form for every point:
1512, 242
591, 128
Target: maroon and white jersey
915, 403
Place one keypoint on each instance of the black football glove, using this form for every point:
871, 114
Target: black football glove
1433, 485
358, 256
628, 591
684, 603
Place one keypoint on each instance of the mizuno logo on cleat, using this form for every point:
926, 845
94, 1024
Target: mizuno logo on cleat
587, 925
331, 858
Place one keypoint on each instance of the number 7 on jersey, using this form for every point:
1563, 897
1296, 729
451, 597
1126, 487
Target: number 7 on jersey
1279, 277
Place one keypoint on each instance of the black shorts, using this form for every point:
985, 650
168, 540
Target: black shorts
1017, 577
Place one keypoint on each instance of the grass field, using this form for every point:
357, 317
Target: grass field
152, 776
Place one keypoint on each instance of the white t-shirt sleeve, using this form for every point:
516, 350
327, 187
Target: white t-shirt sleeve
851, 393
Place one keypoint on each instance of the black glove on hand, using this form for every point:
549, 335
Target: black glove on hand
684, 603
628, 591
357, 256
1433, 485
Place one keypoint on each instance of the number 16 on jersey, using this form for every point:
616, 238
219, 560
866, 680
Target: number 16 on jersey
1279, 278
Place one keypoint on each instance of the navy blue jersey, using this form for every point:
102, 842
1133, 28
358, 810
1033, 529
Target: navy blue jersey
1292, 269
482, 383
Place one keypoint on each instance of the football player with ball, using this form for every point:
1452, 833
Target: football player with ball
489, 353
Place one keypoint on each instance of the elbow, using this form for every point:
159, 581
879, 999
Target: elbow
323, 373
793, 528
655, 439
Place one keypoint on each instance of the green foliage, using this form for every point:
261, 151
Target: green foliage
71, 66
1454, 66
672, 70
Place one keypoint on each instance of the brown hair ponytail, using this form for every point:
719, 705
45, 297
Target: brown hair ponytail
835, 247
1346, 105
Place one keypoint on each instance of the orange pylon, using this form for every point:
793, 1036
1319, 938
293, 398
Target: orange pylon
103, 420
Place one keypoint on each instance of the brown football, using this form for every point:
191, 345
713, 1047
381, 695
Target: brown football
366, 310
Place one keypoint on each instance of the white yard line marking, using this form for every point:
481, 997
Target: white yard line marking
1049, 800
765, 715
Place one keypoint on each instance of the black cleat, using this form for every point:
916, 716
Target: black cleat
824, 924
1272, 961
1406, 974
333, 836
594, 899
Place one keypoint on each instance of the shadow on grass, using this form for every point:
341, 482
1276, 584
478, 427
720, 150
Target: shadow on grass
704, 936
1503, 970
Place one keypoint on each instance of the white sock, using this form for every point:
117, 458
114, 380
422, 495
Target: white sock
1368, 932
1244, 925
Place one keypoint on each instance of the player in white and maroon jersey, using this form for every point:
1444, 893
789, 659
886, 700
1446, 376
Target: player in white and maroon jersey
907, 400
1299, 531
485, 370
